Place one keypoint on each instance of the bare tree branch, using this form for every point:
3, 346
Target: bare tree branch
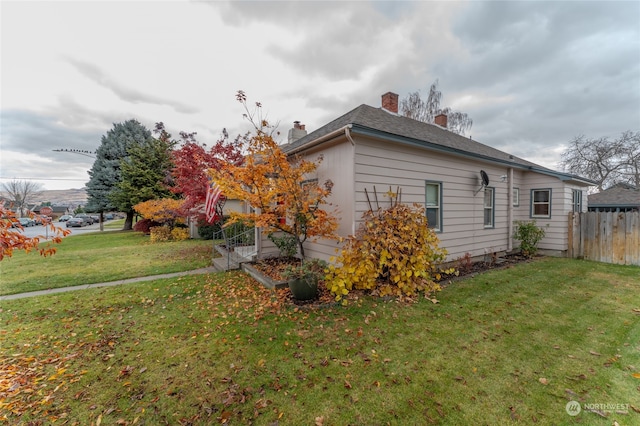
603, 160
414, 107
21, 193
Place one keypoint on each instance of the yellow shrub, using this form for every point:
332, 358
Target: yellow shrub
179, 234
394, 252
160, 233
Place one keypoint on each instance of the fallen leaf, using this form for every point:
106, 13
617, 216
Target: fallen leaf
636, 375
594, 353
543, 381
347, 384
320, 421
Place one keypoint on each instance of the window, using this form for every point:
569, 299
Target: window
515, 197
541, 203
433, 191
488, 207
577, 200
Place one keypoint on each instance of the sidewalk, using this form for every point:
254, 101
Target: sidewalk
207, 270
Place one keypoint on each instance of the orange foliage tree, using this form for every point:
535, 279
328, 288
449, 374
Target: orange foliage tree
277, 186
166, 211
11, 237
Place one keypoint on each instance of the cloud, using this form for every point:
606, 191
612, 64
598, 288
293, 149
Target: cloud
123, 92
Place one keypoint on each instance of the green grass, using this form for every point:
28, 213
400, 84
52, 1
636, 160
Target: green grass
507, 347
99, 257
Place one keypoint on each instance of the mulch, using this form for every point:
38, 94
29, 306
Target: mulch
273, 268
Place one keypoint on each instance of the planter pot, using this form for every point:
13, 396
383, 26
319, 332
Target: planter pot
305, 288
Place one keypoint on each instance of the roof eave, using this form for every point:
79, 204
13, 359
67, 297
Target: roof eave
448, 150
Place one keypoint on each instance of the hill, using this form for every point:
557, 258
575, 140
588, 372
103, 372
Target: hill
64, 197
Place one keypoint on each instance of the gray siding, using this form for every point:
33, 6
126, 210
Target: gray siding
382, 164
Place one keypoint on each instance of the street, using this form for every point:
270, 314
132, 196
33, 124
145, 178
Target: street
41, 231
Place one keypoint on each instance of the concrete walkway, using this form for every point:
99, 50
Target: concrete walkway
207, 270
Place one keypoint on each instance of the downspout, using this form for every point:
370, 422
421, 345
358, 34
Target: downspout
347, 133
510, 210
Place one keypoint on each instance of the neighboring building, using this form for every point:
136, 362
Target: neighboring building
473, 193
57, 210
620, 197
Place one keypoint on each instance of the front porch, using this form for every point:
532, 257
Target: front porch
236, 245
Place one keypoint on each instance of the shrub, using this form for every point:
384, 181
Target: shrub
394, 252
287, 244
160, 233
144, 225
209, 231
529, 236
179, 234
464, 263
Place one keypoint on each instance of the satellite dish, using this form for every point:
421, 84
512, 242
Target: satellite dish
485, 178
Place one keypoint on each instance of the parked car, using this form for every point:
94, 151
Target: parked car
64, 218
27, 221
41, 219
88, 219
96, 218
77, 222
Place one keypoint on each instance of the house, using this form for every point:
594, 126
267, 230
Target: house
473, 193
620, 197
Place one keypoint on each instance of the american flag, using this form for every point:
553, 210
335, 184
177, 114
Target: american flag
213, 195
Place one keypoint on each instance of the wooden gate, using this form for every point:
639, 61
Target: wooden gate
605, 237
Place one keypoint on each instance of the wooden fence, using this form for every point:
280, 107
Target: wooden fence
605, 237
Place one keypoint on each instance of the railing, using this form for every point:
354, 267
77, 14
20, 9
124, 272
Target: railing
236, 243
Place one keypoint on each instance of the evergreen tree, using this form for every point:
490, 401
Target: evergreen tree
105, 174
145, 174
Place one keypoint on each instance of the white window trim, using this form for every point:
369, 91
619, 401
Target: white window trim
492, 207
439, 207
533, 203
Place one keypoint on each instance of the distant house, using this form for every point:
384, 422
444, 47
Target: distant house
473, 193
620, 197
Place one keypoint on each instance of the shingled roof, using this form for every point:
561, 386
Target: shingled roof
619, 196
378, 122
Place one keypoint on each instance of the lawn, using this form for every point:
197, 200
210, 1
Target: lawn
99, 257
510, 346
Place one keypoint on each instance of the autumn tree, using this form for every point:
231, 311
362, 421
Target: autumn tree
603, 160
21, 193
12, 238
277, 186
166, 211
192, 159
413, 106
105, 174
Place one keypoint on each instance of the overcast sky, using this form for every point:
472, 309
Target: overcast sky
532, 75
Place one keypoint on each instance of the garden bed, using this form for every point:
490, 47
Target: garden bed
269, 273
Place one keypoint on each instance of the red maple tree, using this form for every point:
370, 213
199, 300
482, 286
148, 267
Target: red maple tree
191, 161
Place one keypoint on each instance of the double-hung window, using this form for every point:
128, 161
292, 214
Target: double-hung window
541, 203
489, 211
577, 200
433, 191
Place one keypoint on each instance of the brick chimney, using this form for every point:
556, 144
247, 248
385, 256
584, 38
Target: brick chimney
441, 120
298, 131
390, 102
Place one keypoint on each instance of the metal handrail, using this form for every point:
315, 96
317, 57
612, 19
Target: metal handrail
234, 236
